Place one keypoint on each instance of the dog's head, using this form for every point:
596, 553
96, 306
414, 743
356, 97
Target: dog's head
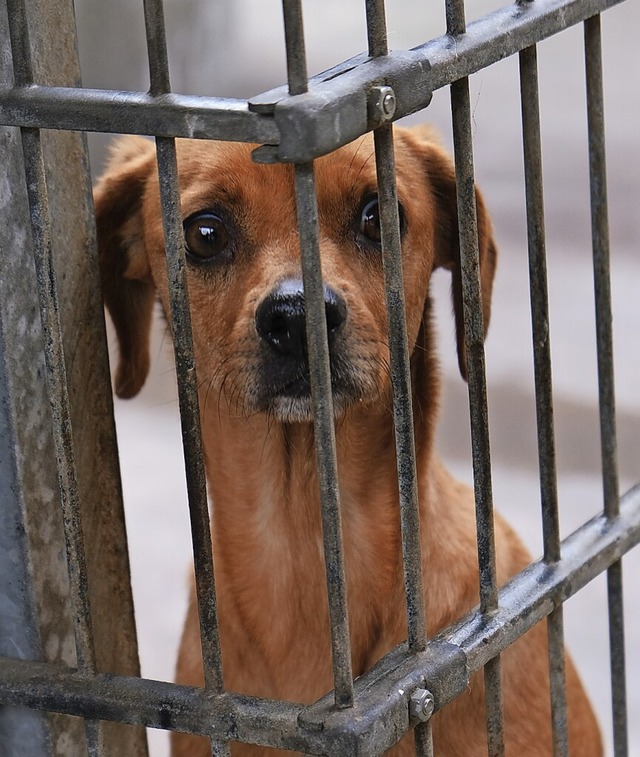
244, 274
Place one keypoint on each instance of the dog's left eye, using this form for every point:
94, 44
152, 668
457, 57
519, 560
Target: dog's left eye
206, 237
369, 226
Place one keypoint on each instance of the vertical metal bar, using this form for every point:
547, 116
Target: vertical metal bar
474, 338
423, 737
376, 28
617, 657
539, 300
320, 377
399, 352
295, 48
189, 413
400, 371
324, 432
543, 383
601, 258
185, 368
474, 348
55, 363
474, 341
455, 16
156, 47
601, 267
402, 406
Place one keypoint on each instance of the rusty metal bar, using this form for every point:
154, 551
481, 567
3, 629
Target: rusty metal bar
402, 405
399, 362
320, 377
60, 410
189, 413
543, 383
336, 101
186, 370
156, 47
109, 111
474, 350
297, 79
399, 354
324, 431
475, 362
377, 40
474, 338
539, 301
602, 284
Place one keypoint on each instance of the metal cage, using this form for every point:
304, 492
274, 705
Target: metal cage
310, 117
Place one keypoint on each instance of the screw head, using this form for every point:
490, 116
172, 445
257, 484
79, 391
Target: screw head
421, 705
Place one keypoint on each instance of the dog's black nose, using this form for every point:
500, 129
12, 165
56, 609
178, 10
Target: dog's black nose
280, 318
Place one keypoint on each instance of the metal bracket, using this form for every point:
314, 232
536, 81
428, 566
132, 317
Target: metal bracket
343, 103
384, 699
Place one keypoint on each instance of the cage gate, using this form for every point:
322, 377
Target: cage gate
53, 419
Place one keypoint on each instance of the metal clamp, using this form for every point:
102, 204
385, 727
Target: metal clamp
343, 103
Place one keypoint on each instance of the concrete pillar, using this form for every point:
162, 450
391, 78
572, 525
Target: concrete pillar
35, 619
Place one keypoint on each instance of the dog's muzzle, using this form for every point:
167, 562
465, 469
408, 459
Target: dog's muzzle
281, 318
281, 325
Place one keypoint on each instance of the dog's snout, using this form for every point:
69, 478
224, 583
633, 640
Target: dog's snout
281, 317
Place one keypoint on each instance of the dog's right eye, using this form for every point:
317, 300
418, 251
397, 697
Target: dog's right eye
206, 237
370, 220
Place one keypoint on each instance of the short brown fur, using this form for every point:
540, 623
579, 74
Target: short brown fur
259, 450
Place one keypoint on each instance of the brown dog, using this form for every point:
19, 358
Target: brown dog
248, 323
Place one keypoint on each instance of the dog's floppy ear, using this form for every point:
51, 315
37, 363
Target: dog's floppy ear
127, 287
441, 175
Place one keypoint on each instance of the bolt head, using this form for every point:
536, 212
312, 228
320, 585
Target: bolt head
421, 705
389, 104
382, 103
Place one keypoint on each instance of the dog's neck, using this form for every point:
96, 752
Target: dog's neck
262, 468
267, 525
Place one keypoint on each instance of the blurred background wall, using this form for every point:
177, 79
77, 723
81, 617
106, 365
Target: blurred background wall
235, 48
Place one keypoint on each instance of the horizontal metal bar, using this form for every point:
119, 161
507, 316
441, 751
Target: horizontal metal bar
334, 111
380, 716
110, 111
501, 34
536, 591
155, 704
380, 713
